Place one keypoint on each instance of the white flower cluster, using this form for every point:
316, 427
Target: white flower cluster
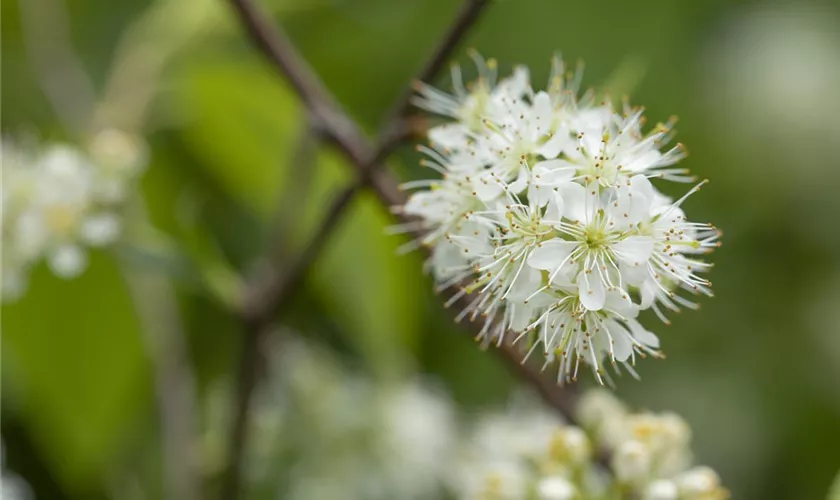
321, 431
58, 199
526, 453
651, 454
546, 219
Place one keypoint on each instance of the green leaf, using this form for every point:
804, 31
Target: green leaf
368, 287
241, 125
74, 363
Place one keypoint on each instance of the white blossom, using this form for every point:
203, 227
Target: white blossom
58, 200
546, 223
661, 489
651, 452
555, 488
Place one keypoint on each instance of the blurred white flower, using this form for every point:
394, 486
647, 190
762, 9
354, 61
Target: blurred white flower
54, 204
417, 429
345, 436
120, 157
546, 222
661, 489
700, 483
555, 488
524, 449
321, 431
651, 452
631, 462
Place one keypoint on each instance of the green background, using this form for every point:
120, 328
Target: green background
756, 86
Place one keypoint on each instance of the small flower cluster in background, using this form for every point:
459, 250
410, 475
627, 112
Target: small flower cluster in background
58, 199
324, 432
546, 219
527, 453
321, 431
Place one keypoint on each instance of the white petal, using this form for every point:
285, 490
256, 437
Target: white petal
522, 180
661, 489
30, 235
542, 114
633, 275
644, 161
528, 282
647, 292
559, 142
639, 208
14, 284
428, 205
554, 172
448, 136
555, 209
634, 250
642, 335
641, 184
618, 300
622, 345
551, 254
446, 258
591, 290
556, 488
487, 187
516, 85
522, 316
574, 201
100, 229
67, 261
539, 193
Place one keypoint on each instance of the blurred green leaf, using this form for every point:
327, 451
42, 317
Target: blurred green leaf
369, 288
73, 356
239, 122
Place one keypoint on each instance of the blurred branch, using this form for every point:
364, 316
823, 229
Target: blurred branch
329, 118
174, 381
59, 70
264, 296
268, 295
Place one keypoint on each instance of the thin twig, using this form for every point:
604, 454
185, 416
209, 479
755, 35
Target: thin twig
467, 16
174, 381
277, 47
268, 295
264, 297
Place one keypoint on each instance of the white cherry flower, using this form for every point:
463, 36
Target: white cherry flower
59, 200
545, 223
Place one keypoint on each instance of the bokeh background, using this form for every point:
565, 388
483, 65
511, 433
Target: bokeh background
756, 86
